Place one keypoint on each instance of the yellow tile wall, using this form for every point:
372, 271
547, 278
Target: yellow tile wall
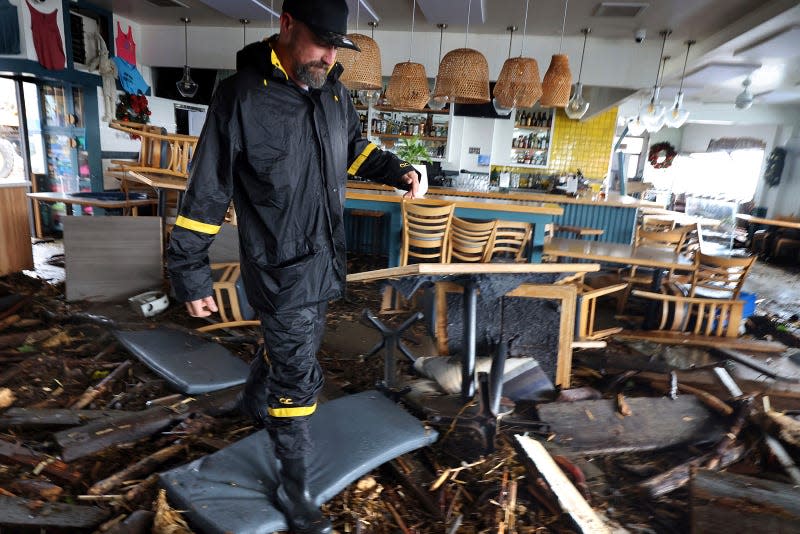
584, 145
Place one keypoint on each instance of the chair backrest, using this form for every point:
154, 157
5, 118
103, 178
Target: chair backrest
510, 239
470, 241
671, 239
719, 276
693, 239
426, 230
654, 223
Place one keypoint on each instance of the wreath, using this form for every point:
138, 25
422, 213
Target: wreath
133, 108
661, 155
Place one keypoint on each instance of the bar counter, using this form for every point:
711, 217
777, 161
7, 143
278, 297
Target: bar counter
615, 215
386, 200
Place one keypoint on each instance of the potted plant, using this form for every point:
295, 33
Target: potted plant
415, 152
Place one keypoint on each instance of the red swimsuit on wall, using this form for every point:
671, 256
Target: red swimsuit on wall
126, 48
47, 39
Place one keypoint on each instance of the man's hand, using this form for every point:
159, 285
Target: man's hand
202, 307
411, 177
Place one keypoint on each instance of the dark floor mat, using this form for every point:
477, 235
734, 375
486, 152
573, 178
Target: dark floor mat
189, 363
231, 490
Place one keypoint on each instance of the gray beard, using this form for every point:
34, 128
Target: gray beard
313, 79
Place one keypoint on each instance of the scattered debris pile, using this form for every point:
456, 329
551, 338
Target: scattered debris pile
637, 445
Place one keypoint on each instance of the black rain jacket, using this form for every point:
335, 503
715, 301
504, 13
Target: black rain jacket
283, 155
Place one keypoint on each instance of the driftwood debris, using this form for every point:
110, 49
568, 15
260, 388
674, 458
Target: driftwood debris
50, 417
95, 391
569, 499
18, 512
145, 466
51, 466
720, 501
36, 489
678, 476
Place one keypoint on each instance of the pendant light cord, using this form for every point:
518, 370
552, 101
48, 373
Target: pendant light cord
466, 33
563, 25
510, 40
685, 61
358, 12
441, 34
271, 17
524, 29
186, 41
583, 52
665, 33
411, 47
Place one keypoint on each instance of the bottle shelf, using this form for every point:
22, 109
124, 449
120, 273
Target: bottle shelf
409, 136
542, 129
530, 149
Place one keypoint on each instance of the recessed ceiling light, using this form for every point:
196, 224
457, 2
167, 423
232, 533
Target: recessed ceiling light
782, 44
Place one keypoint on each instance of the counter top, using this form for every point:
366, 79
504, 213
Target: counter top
14, 184
613, 199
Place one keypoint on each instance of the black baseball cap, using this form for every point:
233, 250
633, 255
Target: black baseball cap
326, 18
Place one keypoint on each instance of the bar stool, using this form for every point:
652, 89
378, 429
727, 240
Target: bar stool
580, 232
367, 230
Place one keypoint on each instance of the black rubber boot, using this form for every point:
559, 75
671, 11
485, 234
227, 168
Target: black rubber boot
252, 400
295, 501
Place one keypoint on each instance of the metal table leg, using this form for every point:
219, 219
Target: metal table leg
470, 340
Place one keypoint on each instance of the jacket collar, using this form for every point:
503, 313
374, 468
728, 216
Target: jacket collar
261, 57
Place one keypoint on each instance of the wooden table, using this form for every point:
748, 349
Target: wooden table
128, 205
162, 183
750, 219
617, 253
388, 202
466, 275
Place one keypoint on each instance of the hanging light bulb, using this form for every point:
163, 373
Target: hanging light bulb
635, 126
557, 81
744, 99
652, 113
186, 86
408, 86
676, 116
244, 23
577, 106
439, 102
371, 96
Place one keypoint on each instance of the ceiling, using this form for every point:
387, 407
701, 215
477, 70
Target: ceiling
725, 30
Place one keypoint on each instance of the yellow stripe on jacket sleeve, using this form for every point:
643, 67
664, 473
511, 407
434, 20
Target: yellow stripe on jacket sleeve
361, 158
297, 411
197, 226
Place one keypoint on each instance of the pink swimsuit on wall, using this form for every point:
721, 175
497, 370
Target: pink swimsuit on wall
47, 39
126, 48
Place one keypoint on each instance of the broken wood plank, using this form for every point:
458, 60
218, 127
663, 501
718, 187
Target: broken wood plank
678, 338
720, 501
36, 489
143, 467
50, 466
595, 427
44, 417
708, 399
92, 392
18, 512
98, 435
569, 499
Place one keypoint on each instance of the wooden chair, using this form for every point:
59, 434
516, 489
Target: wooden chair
719, 277
657, 223
470, 241
586, 312
426, 230
510, 240
225, 292
672, 240
696, 315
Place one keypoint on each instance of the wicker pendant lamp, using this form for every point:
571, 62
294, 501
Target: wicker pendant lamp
362, 70
463, 74
408, 86
557, 81
519, 84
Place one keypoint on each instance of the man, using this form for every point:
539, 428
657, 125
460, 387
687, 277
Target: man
280, 137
